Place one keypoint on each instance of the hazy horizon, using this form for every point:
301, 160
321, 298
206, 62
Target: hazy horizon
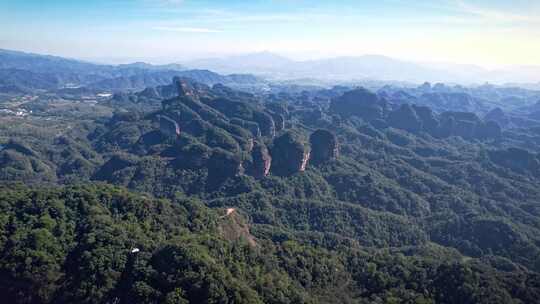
490, 34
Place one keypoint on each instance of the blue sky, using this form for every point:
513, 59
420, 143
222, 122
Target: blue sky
490, 33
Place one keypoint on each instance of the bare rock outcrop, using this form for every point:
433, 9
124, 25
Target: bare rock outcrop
290, 154
234, 227
324, 146
183, 87
261, 161
168, 126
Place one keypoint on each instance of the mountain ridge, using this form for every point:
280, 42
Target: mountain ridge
403, 70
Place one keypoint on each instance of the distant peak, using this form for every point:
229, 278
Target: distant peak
183, 87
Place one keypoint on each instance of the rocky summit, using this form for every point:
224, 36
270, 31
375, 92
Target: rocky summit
290, 154
324, 146
360, 102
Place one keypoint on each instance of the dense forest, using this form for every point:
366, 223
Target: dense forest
101, 244
190, 193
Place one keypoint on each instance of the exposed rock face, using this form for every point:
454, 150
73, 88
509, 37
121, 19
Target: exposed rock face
233, 227
359, 102
250, 145
262, 161
168, 126
324, 146
290, 154
183, 87
405, 118
304, 162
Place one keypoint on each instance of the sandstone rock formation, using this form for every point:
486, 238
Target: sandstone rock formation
324, 146
168, 127
261, 161
222, 165
183, 87
360, 102
279, 121
193, 156
266, 123
468, 126
290, 154
405, 118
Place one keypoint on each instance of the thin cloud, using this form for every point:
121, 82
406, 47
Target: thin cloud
263, 18
164, 3
171, 2
494, 15
186, 29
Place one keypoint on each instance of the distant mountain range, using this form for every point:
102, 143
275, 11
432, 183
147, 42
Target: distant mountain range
372, 67
23, 72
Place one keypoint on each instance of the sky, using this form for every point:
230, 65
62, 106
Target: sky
487, 33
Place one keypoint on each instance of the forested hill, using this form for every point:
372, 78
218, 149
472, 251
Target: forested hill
291, 198
101, 244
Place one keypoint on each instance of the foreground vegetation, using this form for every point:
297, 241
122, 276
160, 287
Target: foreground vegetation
75, 244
